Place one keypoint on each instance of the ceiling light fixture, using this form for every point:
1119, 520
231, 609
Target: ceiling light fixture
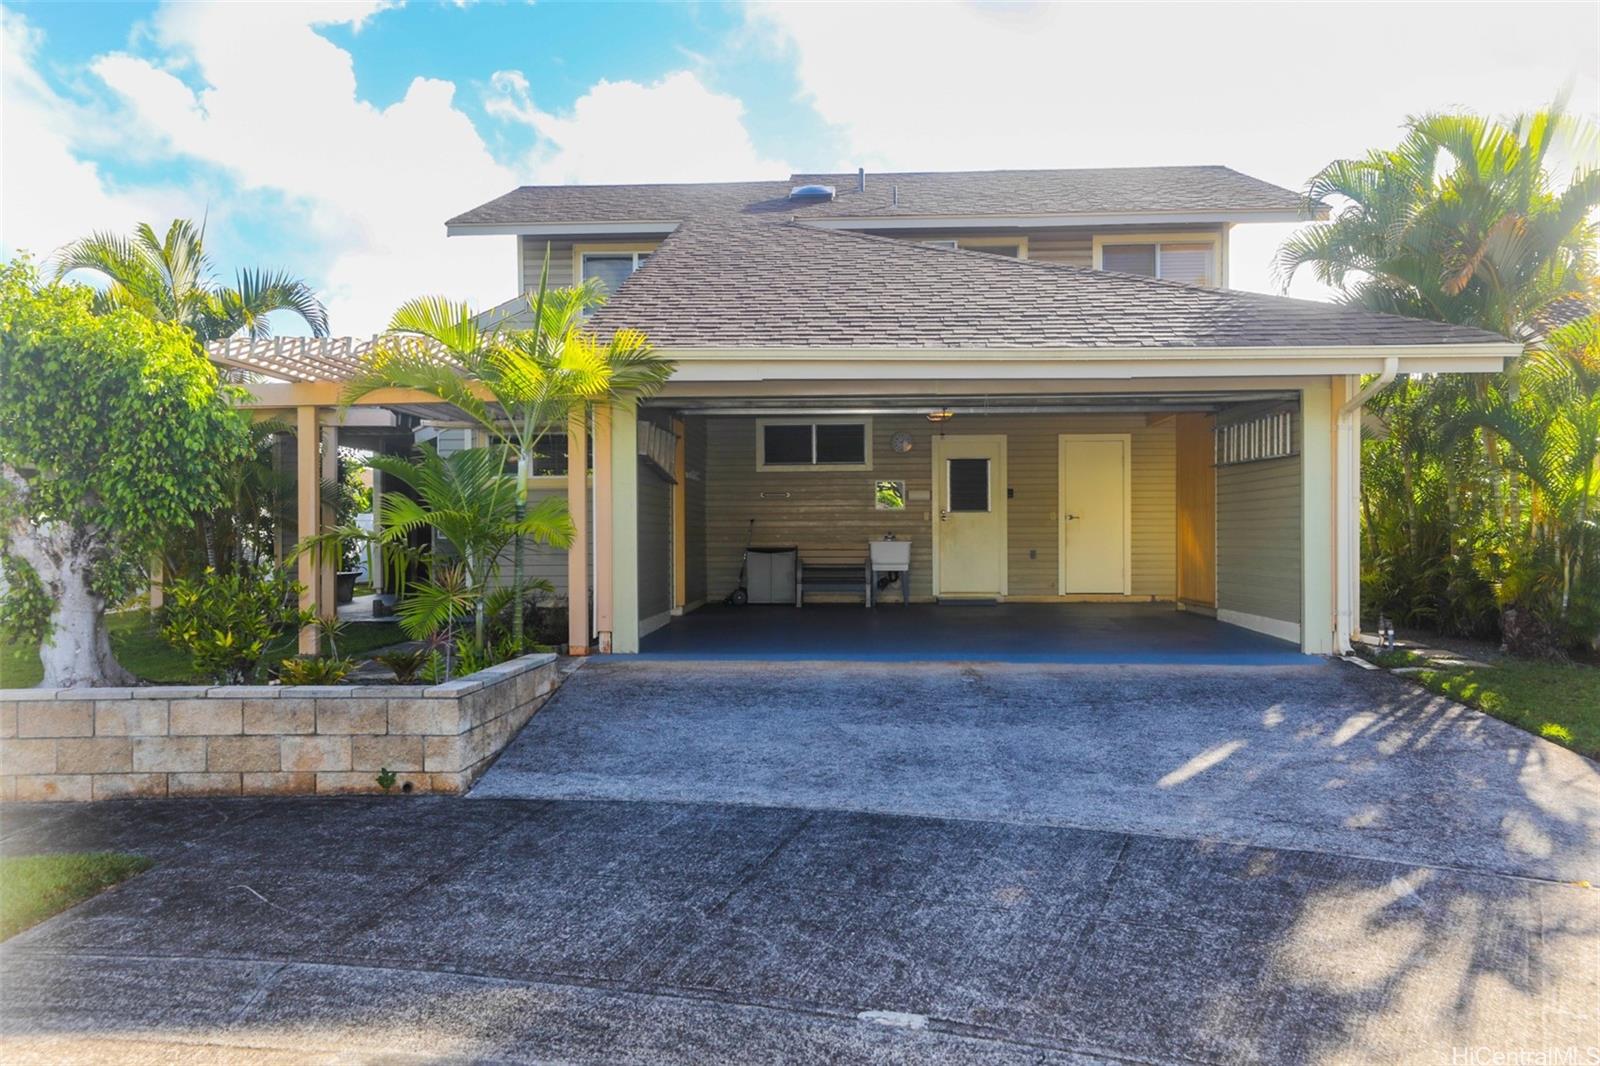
942, 415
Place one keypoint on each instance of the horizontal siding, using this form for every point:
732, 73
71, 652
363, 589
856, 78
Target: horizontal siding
655, 542
533, 262
1072, 245
833, 509
1259, 537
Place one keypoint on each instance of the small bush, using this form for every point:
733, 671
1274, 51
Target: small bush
405, 664
314, 671
227, 622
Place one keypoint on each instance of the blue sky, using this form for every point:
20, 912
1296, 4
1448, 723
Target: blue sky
333, 139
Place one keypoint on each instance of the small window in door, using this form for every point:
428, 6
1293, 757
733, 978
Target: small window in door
968, 484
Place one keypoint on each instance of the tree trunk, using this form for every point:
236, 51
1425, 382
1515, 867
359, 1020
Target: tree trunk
77, 648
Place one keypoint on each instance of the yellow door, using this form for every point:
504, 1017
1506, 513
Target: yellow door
1094, 514
970, 534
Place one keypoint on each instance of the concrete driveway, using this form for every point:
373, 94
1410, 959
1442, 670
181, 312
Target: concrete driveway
777, 872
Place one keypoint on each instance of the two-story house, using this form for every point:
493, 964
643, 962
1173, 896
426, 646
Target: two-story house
1037, 382
1039, 379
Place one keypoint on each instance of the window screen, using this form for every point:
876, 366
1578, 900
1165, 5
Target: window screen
1129, 258
611, 270
846, 443
786, 445
969, 484
1188, 263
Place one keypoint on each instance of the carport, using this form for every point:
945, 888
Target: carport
1082, 633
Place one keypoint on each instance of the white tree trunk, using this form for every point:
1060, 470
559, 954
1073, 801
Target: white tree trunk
77, 647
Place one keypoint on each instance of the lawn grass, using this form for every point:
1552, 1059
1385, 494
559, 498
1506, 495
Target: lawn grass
34, 887
1555, 701
136, 642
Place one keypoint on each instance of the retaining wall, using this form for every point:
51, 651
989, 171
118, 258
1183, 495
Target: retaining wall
112, 743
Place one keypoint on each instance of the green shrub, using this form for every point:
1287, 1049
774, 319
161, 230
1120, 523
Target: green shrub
228, 622
405, 664
320, 670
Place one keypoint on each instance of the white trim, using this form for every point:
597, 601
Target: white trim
613, 249
1075, 218
1272, 627
1002, 478
558, 229
821, 418
1126, 440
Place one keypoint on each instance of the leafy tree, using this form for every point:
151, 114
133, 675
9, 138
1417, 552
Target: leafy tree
517, 383
1464, 222
113, 429
170, 279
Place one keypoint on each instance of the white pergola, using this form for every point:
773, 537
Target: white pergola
303, 382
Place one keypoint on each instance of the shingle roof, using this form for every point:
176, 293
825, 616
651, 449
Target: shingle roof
720, 283
952, 193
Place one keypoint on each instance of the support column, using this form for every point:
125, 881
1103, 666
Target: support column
680, 519
624, 528
328, 561
578, 554
603, 564
1318, 560
308, 512
1347, 516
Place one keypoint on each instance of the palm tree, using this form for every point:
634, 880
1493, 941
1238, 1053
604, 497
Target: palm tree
1459, 223
517, 384
170, 279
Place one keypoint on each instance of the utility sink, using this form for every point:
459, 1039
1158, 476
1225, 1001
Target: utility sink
890, 554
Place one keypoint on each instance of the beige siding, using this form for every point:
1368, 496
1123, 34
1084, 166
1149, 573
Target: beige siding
835, 508
1259, 538
1073, 245
533, 261
655, 542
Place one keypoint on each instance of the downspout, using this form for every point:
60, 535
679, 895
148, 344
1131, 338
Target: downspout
1347, 499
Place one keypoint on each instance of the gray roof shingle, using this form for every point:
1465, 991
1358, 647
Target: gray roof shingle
949, 193
733, 283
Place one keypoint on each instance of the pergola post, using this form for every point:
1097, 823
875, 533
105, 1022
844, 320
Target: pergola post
625, 528
578, 554
328, 560
602, 529
308, 513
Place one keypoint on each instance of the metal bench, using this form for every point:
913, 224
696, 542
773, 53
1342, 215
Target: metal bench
833, 570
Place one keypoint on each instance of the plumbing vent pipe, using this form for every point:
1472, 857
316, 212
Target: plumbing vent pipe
861, 179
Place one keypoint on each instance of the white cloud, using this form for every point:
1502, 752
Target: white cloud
1273, 90
48, 193
279, 112
675, 129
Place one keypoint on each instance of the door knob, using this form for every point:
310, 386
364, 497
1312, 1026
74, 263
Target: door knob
944, 516
1070, 517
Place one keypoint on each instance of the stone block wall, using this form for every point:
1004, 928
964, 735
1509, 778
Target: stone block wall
105, 743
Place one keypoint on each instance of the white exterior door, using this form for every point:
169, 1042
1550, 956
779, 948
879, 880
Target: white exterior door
1094, 514
970, 501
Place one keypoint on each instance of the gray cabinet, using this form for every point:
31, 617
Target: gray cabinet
771, 574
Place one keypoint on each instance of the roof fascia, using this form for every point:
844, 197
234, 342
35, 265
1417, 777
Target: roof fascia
1076, 218
558, 229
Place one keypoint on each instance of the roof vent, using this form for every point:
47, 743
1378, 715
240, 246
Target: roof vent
812, 192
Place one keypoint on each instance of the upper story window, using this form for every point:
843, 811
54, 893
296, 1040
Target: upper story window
1010, 247
1192, 261
805, 444
610, 268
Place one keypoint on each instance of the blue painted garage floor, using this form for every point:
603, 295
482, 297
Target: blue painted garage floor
1009, 632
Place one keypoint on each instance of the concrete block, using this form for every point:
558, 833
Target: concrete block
173, 692
203, 784
26, 695
337, 782
8, 719
206, 717
352, 715
436, 717
281, 715
48, 788
314, 754
242, 754
452, 782
8, 788
94, 755
55, 718
279, 784
169, 755
18, 756
444, 754
130, 718
128, 786
395, 753
244, 692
